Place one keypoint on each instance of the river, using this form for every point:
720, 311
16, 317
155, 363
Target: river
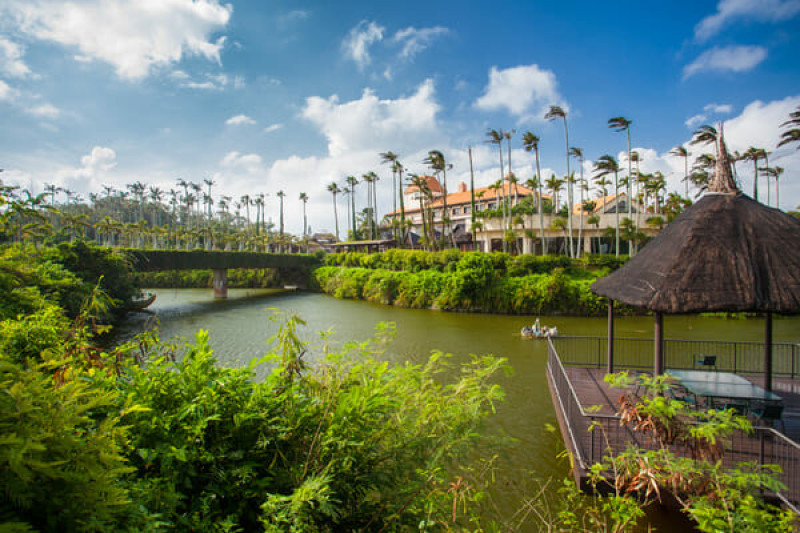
240, 328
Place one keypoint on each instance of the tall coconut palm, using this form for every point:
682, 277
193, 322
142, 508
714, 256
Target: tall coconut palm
705, 134
471, 195
775, 173
496, 137
281, 195
423, 195
681, 151
531, 142
437, 162
353, 181
754, 154
391, 157
556, 112
334, 189
620, 124
304, 199
369, 178
604, 166
577, 153
792, 132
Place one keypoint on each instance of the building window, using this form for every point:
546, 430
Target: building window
456, 210
467, 210
491, 205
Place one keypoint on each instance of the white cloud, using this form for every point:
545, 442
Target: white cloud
101, 159
11, 60
249, 163
239, 120
718, 108
371, 123
750, 10
696, 120
293, 16
272, 127
730, 58
132, 36
416, 40
209, 82
361, 37
45, 111
7, 93
524, 91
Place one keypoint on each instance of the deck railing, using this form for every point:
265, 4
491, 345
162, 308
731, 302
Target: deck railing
763, 446
737, 357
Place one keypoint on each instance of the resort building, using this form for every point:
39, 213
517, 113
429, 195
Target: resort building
590, 227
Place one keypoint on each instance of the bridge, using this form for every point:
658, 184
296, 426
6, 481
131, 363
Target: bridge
293, 268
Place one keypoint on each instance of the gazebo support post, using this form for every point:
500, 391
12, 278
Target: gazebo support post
768, 351
658, 331
610, 368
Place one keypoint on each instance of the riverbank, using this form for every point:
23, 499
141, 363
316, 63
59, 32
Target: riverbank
469, 281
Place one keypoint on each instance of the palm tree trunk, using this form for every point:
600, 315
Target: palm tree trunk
541, 204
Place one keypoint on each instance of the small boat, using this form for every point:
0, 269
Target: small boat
142, 303
537, 331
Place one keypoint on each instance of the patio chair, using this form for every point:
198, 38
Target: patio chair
682, 395
738, 407
771, 412
706, 360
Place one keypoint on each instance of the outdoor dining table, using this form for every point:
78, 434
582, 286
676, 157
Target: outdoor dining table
711, 385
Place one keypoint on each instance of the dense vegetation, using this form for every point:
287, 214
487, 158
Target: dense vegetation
157, 437
254, 278
470, 281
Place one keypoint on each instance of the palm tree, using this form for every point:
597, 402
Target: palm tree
334, 189
681, 151
603, 166
353, 181
471, 196
754, 154
304, 199
577, 153
496, 137
281, 194
554, 185
437, 162
792, 133
552, 114
531, 142
705, 135
620, 124
424, 193
775, 173
391, 157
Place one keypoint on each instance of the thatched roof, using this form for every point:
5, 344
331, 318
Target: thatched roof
725, 253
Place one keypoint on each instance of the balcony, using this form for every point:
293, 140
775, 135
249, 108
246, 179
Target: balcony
575, 370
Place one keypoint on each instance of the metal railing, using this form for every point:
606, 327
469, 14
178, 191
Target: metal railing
593, 435
737, 357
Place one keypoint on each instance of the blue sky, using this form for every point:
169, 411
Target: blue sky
294, 95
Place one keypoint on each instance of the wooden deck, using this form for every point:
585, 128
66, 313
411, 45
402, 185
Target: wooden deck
586, 408
593, 391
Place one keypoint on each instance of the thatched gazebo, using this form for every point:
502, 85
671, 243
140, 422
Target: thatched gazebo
726, 253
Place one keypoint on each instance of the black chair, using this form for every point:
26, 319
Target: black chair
706, 360
771, 412
738, 407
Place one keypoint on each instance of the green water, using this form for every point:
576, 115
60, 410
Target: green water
240, 328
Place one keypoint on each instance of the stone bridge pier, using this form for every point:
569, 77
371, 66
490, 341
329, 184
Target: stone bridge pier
220, 283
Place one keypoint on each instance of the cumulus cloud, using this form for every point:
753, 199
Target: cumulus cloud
718, 108
45, 111
416, 40
708, 111
133, 37
729, 58
240, 120
729, 11
249, 163
362, 36
523, 91
11, 62
371, 123
7, 93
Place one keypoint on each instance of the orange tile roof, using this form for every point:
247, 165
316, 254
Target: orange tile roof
600, 203
433, 185
481, 194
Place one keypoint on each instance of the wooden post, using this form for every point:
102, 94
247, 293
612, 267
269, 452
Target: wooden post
768, 351
610, 368
658, 332
220, 283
